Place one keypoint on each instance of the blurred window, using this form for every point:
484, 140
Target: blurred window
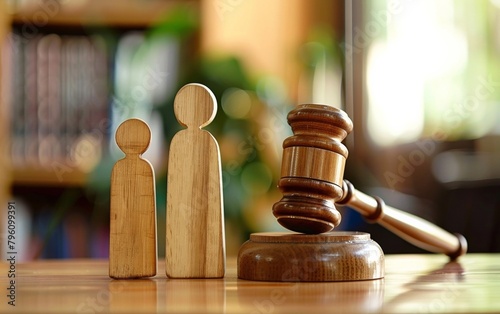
433, 69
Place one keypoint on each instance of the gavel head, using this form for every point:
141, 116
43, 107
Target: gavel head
312, 169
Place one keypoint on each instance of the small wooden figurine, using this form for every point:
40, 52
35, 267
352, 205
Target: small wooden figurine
133, 243
195, 244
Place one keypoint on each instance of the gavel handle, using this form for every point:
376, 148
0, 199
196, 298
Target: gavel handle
413, 229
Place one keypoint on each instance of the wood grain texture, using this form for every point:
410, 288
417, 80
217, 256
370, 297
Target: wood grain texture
195, 244
312, 169
133, 242
413, 229
413, 283
335, 256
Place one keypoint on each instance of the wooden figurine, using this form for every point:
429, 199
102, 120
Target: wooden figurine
133, 243
312, 183
195, 244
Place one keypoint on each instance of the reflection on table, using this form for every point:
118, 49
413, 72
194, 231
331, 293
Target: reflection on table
413, 284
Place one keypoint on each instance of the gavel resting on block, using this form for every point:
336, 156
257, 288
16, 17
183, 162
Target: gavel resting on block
312, 183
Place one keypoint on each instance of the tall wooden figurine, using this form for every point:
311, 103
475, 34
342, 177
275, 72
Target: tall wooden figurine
133, 243
195, 245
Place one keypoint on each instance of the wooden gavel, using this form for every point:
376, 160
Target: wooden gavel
312, 183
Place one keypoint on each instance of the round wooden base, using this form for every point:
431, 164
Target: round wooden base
333, 256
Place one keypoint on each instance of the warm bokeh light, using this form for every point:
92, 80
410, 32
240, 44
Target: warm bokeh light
419, 73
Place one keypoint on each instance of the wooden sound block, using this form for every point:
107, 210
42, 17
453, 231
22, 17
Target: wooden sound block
333, 256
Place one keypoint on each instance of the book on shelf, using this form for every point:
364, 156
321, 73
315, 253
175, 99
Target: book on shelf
70, 91
59, 93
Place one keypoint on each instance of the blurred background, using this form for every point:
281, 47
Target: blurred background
419, 79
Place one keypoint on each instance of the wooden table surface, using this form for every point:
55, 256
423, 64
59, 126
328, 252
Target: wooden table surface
413, 284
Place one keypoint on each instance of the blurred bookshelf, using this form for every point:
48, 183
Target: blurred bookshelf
5, 178
63, 58
59, 94
68, 73
39, 176
128, 13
